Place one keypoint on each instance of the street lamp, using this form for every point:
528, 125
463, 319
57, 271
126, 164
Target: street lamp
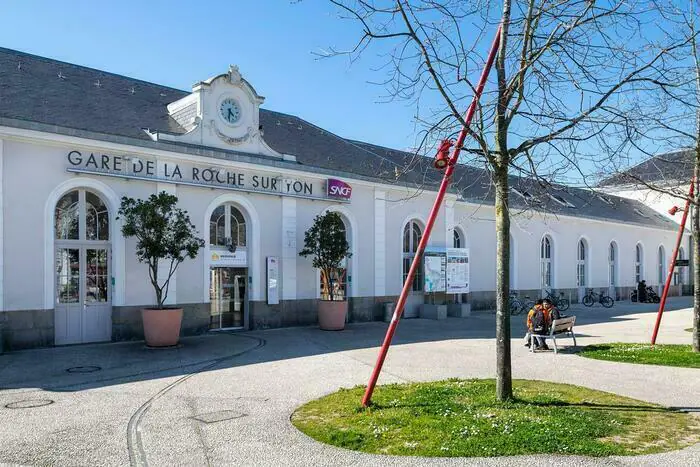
442, 158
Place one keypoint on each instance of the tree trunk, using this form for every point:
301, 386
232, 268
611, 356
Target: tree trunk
504, 383
695, 234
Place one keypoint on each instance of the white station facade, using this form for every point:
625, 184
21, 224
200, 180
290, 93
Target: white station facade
74, 140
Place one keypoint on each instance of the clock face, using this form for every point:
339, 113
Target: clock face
230, 111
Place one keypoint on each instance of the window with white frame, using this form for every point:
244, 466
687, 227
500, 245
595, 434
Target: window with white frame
638, 264
227, 227
612, 264
679, 277
412, 234
81, 215
662, 261
457, 241
546, 262
581, 264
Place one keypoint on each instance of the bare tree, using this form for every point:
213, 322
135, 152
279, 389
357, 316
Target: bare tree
667, 140
564, 75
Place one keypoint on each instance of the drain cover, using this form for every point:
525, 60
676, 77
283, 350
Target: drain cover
213, 417
29, 404
83, 369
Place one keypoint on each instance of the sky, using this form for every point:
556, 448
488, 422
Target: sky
177, 43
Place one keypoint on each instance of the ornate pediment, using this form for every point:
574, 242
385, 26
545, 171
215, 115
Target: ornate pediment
221, 112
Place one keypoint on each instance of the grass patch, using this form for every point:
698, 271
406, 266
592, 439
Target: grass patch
462, 418
668, 355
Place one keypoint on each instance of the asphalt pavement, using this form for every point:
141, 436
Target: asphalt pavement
226, 398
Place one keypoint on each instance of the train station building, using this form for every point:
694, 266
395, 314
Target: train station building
74, 140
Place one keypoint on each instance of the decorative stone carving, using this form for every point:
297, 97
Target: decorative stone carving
231, 139
234, 76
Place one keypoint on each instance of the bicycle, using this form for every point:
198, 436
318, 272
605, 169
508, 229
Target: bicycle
603, 298
560, 303
517, 306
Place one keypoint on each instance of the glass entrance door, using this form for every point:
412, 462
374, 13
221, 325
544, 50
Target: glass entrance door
227, 294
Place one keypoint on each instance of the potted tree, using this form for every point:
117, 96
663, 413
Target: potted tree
327, 245
164, 234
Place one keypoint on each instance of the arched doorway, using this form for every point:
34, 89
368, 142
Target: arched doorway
412, 234
82, 269
341, 276
228, 272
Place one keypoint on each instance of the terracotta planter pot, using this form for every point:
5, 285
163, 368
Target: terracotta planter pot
161, 328
331, 315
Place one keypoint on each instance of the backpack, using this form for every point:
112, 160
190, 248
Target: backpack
539, 323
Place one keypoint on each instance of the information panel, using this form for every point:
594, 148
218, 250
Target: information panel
434, 267
458, 270
272, 280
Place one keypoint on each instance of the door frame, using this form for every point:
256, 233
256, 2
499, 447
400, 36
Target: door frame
246, 299
82, 246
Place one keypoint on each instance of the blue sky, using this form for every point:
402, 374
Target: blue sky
178, 43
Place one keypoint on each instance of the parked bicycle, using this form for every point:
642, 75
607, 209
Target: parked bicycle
603, 298
517, 306
561, 303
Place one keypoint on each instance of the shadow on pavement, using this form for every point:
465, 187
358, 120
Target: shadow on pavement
81, 367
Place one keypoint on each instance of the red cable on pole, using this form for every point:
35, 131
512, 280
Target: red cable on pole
673, 263
366, 399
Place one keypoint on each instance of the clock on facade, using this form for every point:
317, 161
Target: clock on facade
230, 111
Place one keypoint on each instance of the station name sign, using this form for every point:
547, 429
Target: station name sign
230, 179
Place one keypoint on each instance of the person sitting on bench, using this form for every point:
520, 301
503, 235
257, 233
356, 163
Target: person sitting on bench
553, 311
537, 323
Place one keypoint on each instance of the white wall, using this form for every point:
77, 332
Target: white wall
31, 172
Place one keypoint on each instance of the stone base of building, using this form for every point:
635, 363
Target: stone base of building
26, 329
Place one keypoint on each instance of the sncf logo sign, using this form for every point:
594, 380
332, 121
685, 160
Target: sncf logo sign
339, 189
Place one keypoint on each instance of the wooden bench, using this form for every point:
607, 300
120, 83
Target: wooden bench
559, 326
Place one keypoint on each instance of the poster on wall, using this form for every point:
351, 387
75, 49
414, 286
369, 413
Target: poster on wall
273, 297
434, 268
458, 270
223, 258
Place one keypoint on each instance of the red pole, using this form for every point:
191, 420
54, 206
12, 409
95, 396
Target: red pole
431, 220
681, 230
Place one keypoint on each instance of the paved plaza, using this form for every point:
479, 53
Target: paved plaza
227, 398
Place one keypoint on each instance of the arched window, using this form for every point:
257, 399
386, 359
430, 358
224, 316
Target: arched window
457, 240
81, 224
227, 227
81, 215
546, 262
612, 264
581, 263
638, 264
339, 276
412, 234
662, 262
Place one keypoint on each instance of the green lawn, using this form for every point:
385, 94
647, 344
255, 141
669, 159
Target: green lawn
462, 418
669, 355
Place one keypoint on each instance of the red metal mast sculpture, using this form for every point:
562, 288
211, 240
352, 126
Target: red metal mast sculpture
441, 162
672, 265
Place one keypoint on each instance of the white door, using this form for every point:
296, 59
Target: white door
83, 311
